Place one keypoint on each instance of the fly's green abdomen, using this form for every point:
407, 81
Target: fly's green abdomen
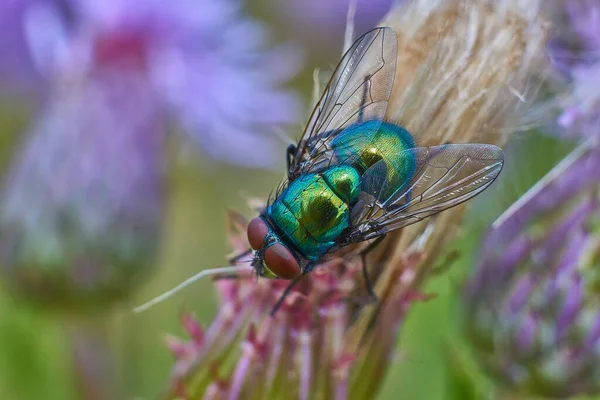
315, 209
362, 146
281, 216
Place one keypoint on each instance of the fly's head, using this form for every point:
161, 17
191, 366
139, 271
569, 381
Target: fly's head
272, 258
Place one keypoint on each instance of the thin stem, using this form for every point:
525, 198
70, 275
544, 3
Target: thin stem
189, 281
548, 179
93, 366
349, 33
316, 92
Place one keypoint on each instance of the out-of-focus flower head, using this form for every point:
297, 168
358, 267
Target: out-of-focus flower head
83, 203
576, 42
532, 308
82, 206
317, 345
576, 53
204, 64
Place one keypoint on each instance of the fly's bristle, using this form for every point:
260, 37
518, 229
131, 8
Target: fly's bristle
277, 192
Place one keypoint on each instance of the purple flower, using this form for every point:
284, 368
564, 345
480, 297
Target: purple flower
576, 53
582, 117
202, 63
577, 41
82, 207
35, 36
531, 309
83, 204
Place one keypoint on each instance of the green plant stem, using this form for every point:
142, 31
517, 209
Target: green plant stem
93, 367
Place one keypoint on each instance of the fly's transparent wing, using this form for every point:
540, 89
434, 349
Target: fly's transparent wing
358, 91
444, 177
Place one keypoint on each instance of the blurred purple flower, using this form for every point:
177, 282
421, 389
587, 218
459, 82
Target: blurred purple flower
582, 117
532, 308
83, 204
576, 53
576, 43
202, 61
34, 36
320, 24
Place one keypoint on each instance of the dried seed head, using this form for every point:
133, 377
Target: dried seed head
465, 73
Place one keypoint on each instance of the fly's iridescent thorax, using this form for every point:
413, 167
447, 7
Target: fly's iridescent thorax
315, 209
308, 215
365, 145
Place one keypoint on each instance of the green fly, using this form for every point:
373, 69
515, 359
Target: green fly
354, 176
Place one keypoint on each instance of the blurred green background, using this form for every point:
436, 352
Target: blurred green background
34, 356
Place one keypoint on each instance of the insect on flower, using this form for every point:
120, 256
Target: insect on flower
354, 176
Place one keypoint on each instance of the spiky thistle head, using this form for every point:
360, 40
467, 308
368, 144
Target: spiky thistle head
320, 343
305, 349
466, 73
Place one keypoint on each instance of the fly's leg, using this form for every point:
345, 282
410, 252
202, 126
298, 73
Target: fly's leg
291, 150
238, 257
363, 258
371, 297
446, 262
288, 289
232, 261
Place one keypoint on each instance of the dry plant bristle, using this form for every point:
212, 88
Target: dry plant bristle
467, 72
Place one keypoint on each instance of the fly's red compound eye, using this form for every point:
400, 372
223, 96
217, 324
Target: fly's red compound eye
257, 231
278, 259
281, 262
